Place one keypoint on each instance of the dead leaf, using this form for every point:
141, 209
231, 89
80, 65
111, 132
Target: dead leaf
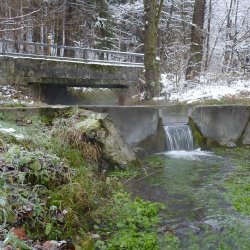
19, 232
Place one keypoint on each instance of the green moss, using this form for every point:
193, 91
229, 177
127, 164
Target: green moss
214, 144
104, 68
199, 140
8, 139
48, 115
13, 105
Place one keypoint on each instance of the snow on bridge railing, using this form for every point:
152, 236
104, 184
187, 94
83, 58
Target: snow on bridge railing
23, 48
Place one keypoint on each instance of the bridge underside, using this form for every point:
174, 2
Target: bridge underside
60, 94
72, 82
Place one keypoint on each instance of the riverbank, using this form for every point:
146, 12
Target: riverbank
59, 186
56, 192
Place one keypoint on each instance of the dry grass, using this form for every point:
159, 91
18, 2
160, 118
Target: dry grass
67, 134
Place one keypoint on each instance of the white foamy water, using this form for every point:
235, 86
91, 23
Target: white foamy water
179, 137
197, 154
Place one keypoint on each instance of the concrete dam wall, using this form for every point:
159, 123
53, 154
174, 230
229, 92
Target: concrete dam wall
226, 125
142, 127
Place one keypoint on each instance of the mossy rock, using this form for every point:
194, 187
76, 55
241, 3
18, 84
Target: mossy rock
199, 140
96, 136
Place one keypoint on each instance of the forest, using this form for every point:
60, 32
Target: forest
191, 38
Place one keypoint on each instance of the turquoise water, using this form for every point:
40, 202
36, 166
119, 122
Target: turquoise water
197, 214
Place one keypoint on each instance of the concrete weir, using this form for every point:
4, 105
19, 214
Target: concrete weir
224, 125
142, 127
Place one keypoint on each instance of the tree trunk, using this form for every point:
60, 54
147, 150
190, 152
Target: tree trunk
208, 34
229, 38
152, 15
69, 17
195, 60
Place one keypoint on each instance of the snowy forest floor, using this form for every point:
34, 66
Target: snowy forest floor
208, 90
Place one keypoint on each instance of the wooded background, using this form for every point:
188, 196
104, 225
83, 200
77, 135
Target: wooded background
193, 35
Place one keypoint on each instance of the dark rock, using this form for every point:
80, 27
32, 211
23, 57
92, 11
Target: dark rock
140, 153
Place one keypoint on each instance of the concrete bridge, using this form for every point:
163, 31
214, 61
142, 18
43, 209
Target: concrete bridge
48, 68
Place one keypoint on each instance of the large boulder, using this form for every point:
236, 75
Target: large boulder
223, 125
141, 126
88, 128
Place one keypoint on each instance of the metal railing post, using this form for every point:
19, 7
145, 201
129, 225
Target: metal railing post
3, 46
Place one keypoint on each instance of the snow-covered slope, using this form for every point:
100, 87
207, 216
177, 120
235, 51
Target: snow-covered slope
204, 89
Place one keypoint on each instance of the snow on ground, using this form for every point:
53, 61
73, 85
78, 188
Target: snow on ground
11, 131
8, 94
205, 89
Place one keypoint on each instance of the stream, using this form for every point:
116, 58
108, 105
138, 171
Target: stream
197, 214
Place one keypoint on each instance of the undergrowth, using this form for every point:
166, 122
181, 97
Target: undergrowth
132, 225
51, 188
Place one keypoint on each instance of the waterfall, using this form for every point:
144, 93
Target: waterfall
179, 137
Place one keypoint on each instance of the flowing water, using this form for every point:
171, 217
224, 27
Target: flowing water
197, 214
179, 137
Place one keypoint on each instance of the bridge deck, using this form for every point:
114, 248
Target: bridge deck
27, 70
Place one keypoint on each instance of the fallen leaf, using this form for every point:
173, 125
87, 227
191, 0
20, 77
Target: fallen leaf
19, 232
8, 247
50, 245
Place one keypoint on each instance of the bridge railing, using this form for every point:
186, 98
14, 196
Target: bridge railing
60, 52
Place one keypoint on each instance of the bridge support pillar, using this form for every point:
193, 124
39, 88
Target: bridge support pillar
123, 95
122, 99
